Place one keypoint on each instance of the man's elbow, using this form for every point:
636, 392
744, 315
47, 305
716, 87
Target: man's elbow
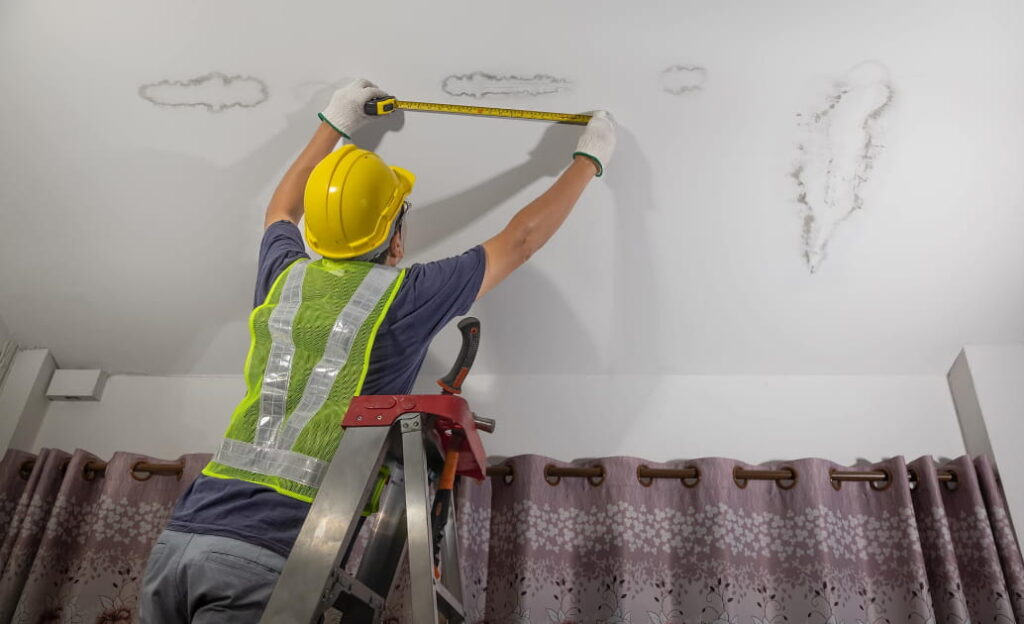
526, 244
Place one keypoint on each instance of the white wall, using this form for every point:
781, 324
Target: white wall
690, 257
696, 233
997, 375
159, 416
755, 418
7, 350
968, 408
23, 403
567, 416
988, 391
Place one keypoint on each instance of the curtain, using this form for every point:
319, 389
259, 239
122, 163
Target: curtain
76, 539
909, 548
930, 543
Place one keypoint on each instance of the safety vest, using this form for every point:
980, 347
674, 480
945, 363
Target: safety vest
310, 349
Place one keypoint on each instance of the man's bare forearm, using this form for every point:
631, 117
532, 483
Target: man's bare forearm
535, 224
538, 221
286, 203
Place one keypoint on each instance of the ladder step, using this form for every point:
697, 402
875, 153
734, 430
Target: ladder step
448, 604
352, 590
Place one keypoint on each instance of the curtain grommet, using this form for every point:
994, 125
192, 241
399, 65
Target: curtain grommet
644, 481
912, 479
25, 470
598, 480
149, 475
551, 480
694, 481
740, 483
792, 480
881, 485
836, 484
954, 481
511, 476
88, 472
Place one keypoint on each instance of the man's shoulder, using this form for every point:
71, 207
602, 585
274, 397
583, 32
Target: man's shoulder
447, 273
282, 234
281, 245
449, 284
465, 263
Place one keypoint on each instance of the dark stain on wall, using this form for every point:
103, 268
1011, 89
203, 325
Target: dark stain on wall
683, 79
480, 84
214, 92
837, 155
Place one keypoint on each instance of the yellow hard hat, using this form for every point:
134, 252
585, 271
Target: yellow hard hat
352, 196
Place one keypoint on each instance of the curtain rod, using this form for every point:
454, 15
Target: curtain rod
784, 477
140, 470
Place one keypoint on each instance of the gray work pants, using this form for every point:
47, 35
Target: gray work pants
205, 579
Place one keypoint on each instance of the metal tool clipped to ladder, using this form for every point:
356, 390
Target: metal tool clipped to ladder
415, 439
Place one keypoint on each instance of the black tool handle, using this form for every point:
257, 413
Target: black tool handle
438, 521
452, 382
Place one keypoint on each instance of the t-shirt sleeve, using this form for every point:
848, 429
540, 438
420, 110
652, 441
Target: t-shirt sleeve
281, 245
436, 292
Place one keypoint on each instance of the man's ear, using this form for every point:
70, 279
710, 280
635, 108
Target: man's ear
397, 247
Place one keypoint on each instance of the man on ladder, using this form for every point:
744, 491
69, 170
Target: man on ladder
324, 331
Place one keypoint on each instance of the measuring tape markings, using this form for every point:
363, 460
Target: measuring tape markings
387, 105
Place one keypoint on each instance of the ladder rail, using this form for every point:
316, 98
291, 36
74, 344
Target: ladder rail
385, 549
304, 588
314, 579
417, 510
451, 565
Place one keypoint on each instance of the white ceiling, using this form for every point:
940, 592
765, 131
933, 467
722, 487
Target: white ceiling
130, 230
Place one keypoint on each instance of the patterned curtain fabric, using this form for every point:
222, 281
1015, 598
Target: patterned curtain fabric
821, 552
75, 542
607, 551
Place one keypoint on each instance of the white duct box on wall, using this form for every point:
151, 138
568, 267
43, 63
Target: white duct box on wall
76, 385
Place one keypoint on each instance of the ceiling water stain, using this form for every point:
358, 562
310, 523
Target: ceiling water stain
480, 84
215, 92
683, 79
841, 141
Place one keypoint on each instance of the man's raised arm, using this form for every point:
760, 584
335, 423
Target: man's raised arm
343, 116
534, 225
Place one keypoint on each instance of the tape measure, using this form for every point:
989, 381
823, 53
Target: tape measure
386, 105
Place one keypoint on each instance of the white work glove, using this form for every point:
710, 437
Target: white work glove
598, 140
345, 111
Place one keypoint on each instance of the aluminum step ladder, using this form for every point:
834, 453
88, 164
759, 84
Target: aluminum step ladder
411, 435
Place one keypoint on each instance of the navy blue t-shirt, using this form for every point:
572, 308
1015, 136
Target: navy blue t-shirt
430, 296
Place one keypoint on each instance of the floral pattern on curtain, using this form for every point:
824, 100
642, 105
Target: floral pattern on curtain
607, 551
75, 542
821, 552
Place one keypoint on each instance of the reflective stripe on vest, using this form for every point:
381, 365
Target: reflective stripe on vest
271, 461
274, 393
343, 332
271, 454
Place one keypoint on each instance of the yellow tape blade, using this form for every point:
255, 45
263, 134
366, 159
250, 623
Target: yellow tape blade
485, 111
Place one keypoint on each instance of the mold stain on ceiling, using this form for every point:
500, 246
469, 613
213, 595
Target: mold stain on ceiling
683, 79
215, 92
480, 84
841, 142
